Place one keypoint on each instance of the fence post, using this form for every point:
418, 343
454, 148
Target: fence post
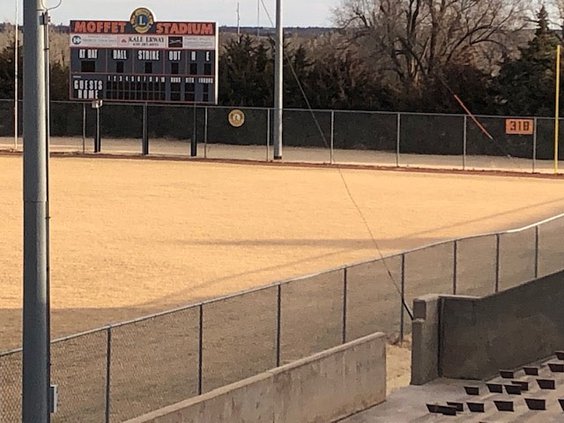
267, 135
535, 140
464, 142
402, 302
279, 326
497, 261
398, 140
345, 303
537, 251
455, 269
201, 351
205, 132
108, 372
332, 152
145, 143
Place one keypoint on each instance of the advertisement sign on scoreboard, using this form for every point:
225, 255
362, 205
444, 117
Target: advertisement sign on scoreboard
143, 60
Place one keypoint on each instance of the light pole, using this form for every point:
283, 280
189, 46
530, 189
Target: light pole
278, 83
258, 18
36, 361
16, 73
557, 109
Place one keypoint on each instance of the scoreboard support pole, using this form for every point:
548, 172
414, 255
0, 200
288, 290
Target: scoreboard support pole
194, 142
97, 134
83, 128
205, 133
145, 130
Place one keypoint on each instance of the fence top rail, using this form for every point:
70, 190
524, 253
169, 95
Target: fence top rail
292, 109
332, 270
59, 340
533, 225
291, 280
470, 237
197, 305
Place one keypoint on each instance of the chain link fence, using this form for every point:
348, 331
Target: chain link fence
318, 136
119, 372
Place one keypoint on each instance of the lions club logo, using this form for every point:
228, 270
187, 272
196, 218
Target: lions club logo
142, 20
236, 118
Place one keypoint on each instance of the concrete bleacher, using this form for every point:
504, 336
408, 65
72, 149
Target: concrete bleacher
417, 404
461, 342
532, 394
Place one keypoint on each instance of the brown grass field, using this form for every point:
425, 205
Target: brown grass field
131, 237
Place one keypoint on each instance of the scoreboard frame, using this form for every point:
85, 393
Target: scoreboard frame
144, 61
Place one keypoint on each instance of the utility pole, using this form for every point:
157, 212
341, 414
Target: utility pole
238, 20
278, 83
36, 361
16, 74
557, 109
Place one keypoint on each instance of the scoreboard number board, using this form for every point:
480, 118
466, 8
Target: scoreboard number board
144, 61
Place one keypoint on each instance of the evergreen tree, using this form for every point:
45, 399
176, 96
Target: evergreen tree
7, 71
297, 67
526, 85
59, 82
342, 81
245, 72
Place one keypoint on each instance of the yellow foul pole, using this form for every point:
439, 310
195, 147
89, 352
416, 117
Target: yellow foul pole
557, 110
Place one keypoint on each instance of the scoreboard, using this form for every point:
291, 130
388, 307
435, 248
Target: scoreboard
142, 60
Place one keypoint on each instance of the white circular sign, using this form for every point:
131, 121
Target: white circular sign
237, 118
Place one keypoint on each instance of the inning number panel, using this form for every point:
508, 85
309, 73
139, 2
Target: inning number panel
170, 62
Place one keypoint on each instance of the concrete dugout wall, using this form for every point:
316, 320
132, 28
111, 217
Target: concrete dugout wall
473, 338
322, 388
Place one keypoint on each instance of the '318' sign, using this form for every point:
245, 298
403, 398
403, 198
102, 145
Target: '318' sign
519, 126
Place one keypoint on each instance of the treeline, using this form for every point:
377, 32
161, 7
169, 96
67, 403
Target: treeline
390, 55
400, 55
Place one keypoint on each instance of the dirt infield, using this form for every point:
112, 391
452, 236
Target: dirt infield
133, 237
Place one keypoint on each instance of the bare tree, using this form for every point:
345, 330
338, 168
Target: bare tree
556, 11
418, 38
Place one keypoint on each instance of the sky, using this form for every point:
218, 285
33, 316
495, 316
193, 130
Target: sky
296, 12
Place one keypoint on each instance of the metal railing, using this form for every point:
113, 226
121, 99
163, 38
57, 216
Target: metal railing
320, 136
122, 371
